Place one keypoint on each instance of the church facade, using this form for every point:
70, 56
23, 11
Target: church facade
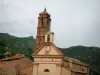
50, 60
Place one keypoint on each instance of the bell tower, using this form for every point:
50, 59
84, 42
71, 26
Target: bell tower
43, 27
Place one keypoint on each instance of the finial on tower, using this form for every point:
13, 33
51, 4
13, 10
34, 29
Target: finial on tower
44, 12
45, 9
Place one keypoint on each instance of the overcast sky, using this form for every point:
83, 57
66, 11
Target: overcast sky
74, 22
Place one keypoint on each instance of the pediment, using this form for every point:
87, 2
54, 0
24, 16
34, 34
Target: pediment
53, 50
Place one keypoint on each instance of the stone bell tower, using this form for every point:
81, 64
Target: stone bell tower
43, 27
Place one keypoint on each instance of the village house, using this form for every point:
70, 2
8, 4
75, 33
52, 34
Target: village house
15, 65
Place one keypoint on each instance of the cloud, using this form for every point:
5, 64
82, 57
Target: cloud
74, 22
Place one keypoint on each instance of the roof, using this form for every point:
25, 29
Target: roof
49, 32
27, 62
12, 58
44, 12
73, 60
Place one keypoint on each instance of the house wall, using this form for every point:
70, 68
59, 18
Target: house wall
80, 67
53, 69
17, 64
8, 69
67, 64
85, 69
26, 71
75, 66
65, 71
52, 64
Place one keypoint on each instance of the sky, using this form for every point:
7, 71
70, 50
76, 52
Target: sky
74, 22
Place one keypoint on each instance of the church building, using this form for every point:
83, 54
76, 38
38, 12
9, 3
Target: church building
50, 60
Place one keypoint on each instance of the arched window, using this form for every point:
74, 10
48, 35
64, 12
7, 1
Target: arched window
46, 70
48, 38
42, 21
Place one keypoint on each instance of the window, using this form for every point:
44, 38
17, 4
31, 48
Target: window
48, 38
82, 69
42, 21
46, 70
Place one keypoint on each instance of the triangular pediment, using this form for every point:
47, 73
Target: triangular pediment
48, 50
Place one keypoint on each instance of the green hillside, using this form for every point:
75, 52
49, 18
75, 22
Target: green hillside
89, 55
23, 45
26, 45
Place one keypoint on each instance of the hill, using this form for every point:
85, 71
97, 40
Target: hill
26, 45
23, 45
89, 55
